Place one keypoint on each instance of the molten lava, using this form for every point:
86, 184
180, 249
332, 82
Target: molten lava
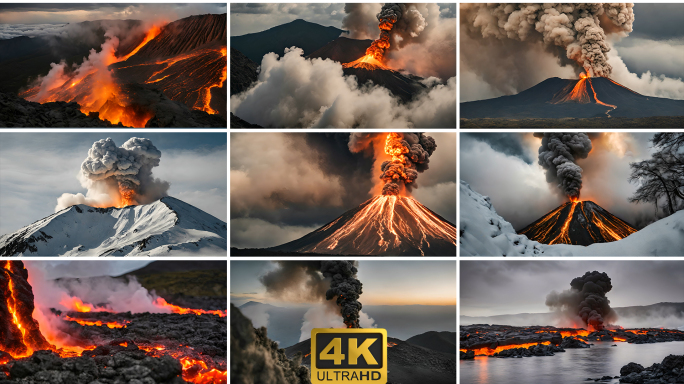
489, 352
77, 305
160, 302
368, 62
579, 94
127, 197
578, 223
375, 54
98, 323
149, 35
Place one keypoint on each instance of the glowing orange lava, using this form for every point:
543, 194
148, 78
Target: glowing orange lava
77, 305
375, 54
11, 302
490, 352
151, 34
98, 323
563, 236
127, 197
160, 302
390, 344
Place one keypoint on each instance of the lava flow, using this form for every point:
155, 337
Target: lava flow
94, 331
578, 93
578, 223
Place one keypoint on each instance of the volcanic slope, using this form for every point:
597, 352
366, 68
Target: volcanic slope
578, 223
593, 97
167, 227
484, 233
187, 61
381, 226
406, 362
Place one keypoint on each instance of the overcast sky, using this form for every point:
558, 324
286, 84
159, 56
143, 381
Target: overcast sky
655, 47
504, 166
256, 17
285, 185
17, 19
384, 282
490, 288
36, 168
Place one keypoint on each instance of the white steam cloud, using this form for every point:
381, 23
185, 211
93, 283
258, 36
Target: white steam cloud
110, 172
293, 91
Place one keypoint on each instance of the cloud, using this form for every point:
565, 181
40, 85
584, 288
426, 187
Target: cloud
257, 233
9, 31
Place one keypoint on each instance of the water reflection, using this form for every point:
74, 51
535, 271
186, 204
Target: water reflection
573, 366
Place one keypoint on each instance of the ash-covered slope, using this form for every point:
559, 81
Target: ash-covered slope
167, 227
381, 226
578, 223
484, 233
406, 362
542, 101
439, 341
342, 49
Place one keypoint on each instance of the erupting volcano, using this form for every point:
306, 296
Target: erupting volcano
375, 54
578, 223
87, 346
391, 223
176, 71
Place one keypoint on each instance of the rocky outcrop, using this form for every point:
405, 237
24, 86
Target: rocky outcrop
671, 370
16, 112
243, 72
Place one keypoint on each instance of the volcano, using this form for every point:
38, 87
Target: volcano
581, 98
166, 227
173, 76
385, 225
578, 223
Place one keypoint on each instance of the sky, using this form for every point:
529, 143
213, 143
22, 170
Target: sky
504, 167
37, 168
285, 185
510, 287
26, 19
384, 282
650, 60
85, 268
256, 17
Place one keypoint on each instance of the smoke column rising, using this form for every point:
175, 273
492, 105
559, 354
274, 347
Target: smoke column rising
557, 155
586, 300
579, 30
118, 176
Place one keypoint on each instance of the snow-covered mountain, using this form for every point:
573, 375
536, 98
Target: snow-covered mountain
167, 227
485, 233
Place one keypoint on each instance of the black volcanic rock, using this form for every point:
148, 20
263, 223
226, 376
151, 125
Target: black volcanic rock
254, 358
236, 122
589, 224
535, 350
439, 341
299, 33
243, 72
671, 370
537, 102
342, 49
20, 113
572, 342
381, 226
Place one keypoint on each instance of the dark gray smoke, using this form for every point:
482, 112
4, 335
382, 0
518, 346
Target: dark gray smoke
586, 299
557, 155
575, 33
313, 280
415, 156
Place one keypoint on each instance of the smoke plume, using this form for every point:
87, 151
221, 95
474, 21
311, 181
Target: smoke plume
575, 33
118, 176
409, 154
314, 280
586, 300
557, 155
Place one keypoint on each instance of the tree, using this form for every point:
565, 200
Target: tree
661, 178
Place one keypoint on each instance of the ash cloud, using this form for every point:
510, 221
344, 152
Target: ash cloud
586, 299
331, 282
110, 171
558, 154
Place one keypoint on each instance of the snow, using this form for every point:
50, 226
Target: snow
484, 233
167, 227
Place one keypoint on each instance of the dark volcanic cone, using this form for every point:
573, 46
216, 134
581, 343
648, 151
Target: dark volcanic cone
19, 333
550, 99
382, 226
579, 223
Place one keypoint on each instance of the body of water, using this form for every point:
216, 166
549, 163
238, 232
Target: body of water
573, 366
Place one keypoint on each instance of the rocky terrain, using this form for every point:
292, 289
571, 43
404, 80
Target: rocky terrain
17, 112
671, 370
243, 72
